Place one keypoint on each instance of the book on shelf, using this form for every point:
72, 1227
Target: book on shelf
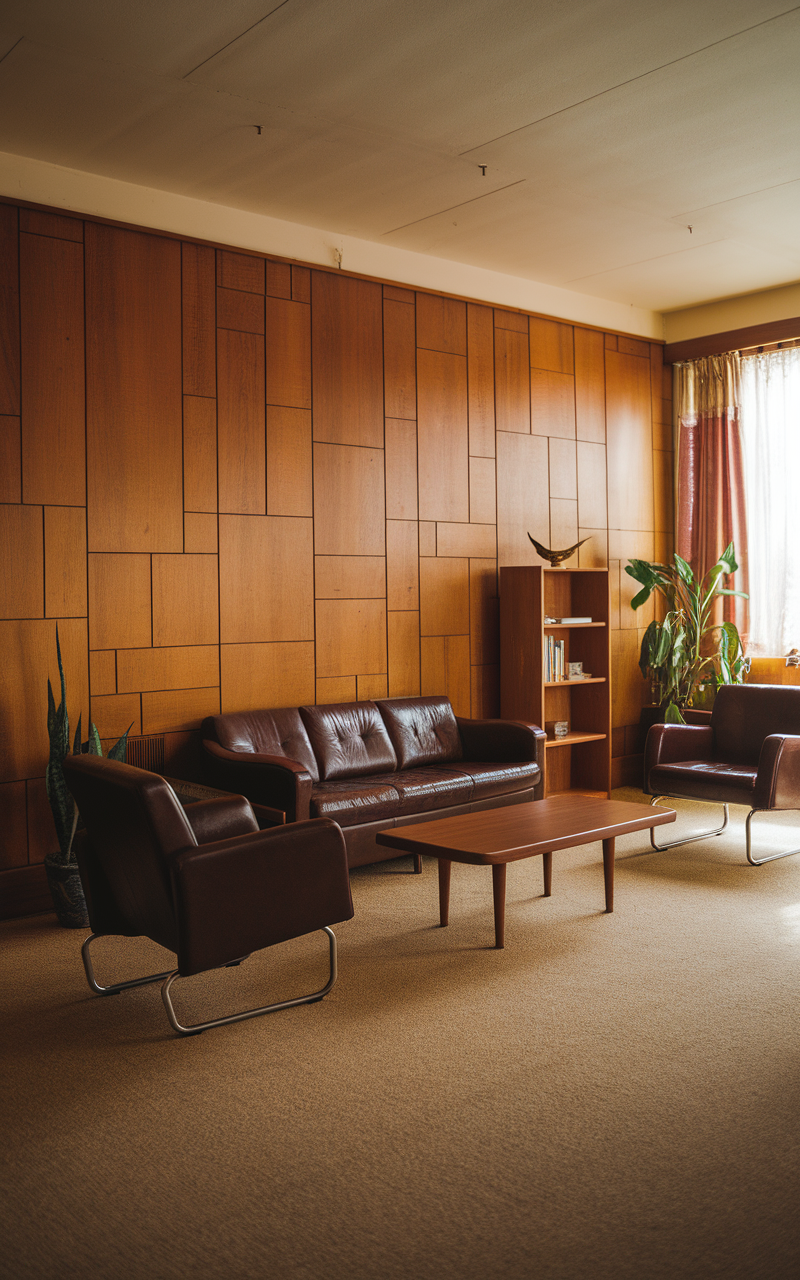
565, 622
554, 660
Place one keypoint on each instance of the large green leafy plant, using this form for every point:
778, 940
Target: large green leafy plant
687, 649
65, 811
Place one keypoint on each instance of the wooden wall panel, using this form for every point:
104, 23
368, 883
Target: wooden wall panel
199, 453
41, 223
445, 668
482, 491
11, 459
119, 601
9, 309
148, 670
42, 838
200, 533
22, 578
552, 404
65, 562
512, 381
590, 386
51, 321
399, 360
185, 600
347, 359
563, 469
350, 577
351, 637
401, 469
116, 713
522, 497
29, 660
267, 675
403, 637
103, 670
178, 709
198, 293
592, 507
480, 366
239, 310
279, 279
444, 597
337, 689
484, 621
629, 433
466, 540
134, 381
442, 436
266, 574
13, 826
241, 423
290, 489
368, 688
288, 353
240, 271
551, 345
516, 321
349, 501
441, 324
402, 564
301, 284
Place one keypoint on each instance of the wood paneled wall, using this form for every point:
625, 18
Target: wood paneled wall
237, 483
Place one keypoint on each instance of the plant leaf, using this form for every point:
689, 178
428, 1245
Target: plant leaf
684, 570
120, 749
94, 745
672, 715
728, 558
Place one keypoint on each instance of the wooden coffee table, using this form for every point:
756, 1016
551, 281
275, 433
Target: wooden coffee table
495, 837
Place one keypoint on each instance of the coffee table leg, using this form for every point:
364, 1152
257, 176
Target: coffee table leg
547, 867
444, 891
499, 897
608, 871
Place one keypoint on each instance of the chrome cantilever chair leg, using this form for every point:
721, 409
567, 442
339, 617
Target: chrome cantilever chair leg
114, 987
772, 857
197, 1027
701, 835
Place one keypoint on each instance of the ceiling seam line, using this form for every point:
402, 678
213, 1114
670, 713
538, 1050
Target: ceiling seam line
450, 209
240, 36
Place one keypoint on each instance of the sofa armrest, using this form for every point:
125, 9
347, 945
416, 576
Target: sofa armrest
221, 818
238, 895
503, 741
671, 743
778, 778
274, 781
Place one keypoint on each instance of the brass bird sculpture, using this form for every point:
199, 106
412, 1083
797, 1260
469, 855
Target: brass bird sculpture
557, 557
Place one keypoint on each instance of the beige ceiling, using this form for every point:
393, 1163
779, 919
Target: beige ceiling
607, 128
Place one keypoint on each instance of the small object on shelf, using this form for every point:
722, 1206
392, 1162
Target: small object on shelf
556, 557
575, 671
569, 622
556, 728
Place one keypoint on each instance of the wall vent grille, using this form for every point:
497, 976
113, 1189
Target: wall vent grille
147, 752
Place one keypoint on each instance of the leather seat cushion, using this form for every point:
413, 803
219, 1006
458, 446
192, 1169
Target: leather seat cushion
423, 730
349, 740
497, 779
705, 780
351, 801
432, 787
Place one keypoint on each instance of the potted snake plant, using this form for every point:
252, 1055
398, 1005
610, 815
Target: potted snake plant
61, 868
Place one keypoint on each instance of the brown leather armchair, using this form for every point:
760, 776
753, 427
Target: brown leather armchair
748, 754
204, 883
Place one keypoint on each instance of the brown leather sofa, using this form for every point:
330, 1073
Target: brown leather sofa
373, 765
748, 754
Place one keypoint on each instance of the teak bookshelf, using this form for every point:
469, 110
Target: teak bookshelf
582, 760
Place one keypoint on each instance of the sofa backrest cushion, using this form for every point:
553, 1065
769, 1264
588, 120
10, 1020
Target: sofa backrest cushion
270, 733
422, 730
745, 714
349, 740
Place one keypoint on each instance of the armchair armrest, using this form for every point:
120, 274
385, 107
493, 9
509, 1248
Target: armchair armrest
274, 781
671, 743
239, 895
778, 778
221, 818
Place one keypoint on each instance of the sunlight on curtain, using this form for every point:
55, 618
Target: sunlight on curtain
770, 425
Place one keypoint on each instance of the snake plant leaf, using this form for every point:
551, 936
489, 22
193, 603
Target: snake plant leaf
94, 745
76, 745
120, 749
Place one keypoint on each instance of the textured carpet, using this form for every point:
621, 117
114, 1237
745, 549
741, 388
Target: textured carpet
609, 1097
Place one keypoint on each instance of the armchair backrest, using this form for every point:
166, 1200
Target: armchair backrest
134, 822
745, 714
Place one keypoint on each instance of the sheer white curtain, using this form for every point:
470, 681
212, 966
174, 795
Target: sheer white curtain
770, 424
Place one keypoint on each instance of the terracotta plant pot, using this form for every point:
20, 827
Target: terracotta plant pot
65, 886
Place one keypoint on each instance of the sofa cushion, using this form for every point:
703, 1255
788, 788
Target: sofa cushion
423, 730
705, 780
431, 787
352, 801
349, 740
498, 779
270, 733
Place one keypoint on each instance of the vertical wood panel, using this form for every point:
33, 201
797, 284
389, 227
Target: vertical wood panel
563, 469
266, 675
288, 353
480, 377
65, 562
240, 271
41, 223
349, 577
401, 470
552, 404
512, 381
279, 279
9, 309
402, 564
237, 309
630, 456
484, 612
241, 423
11, 459
185, 600
368, 688
349, 501
441, 324
200, 532
29, 659
13, 825
442, 437
198, 294
351, 637
445, 669
482, 491
399, 360
53, 420
347, 359
301, 284
336, 689
592, 507
199, 453
551, 345
590, 386
523, 504
403, 655
22, 577
289, 462
134, 410
444, 597
564, 526
103, 671
119, 601
266, 574
42, 838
